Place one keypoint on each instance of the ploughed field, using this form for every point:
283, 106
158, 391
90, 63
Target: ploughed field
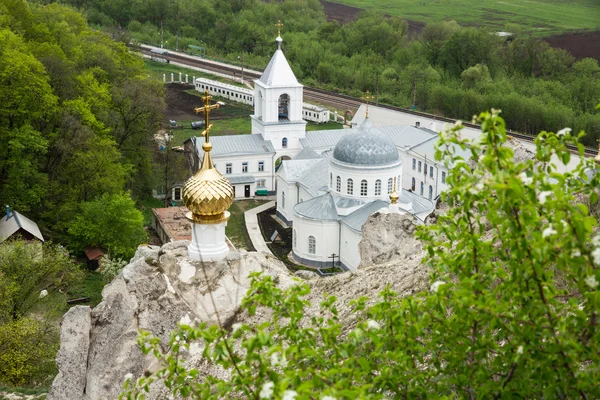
543, 17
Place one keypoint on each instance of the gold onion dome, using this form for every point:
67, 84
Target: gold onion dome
208, 194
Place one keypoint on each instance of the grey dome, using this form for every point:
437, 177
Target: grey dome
367, 146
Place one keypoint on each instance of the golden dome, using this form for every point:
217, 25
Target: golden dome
207, 194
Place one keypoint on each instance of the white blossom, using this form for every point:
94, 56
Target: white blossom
596, 255
185, 320
575, 253
128, 376
267, 390
596, 241
275, 359
543, 195
43, 293
436, 285
373, 324
289, 395
520, 350
591, 281
549, 231
525, 179
458, 123
563, 132
328, 398
235, 327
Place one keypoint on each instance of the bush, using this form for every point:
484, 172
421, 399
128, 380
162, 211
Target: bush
27, 351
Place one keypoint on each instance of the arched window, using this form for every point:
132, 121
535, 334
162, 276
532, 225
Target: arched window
284, 104
283, 200
312, 245
295, 236
430, 192
338, 184
284, 142
422, 187
443, 177
378, 187
363, 187
413, 186
350, 186
390, 185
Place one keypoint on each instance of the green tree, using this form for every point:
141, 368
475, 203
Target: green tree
26, 270
511, 312
112, 221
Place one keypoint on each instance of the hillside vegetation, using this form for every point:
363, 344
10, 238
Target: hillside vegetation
448, 70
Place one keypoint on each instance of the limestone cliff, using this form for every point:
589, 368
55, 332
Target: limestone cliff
161, 285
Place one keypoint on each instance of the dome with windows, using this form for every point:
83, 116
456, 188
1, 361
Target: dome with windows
367, 147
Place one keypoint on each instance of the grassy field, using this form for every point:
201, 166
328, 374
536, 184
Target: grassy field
236, 226
543, 17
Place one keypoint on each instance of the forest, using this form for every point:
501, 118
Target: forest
444, 69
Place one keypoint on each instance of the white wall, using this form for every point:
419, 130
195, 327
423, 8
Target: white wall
326, 234
291, 198
349, 254
371, 175
434, 181
252, 160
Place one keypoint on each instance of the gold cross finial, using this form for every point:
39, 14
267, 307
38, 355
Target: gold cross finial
278, 25
367, 97
206, 110
394, 195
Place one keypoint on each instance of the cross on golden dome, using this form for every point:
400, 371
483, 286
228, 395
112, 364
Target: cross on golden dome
206, 110
367, 97
207, 194
278, 25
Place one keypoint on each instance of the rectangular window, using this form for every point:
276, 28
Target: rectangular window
443, 177
431, 171
261, 166
414, 164
419, 166
228, 168
244, 167
260, 183
425, 170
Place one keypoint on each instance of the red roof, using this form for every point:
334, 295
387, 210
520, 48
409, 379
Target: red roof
94, 253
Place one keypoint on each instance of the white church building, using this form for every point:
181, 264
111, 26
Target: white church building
327, 182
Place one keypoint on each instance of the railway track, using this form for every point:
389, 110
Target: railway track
338, 100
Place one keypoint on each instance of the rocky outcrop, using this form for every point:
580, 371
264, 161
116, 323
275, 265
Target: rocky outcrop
395, 242
161, 285
72, 356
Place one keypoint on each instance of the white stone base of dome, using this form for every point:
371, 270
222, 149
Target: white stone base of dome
208, 242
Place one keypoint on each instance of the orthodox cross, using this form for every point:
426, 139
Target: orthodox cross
333, 256
367, 97
206, 110
278, 25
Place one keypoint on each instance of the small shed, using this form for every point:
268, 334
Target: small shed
94, 258
14, 223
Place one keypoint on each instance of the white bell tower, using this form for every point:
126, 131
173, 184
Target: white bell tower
278, 101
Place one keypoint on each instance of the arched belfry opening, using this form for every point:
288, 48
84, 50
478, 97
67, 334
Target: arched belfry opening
284, 107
